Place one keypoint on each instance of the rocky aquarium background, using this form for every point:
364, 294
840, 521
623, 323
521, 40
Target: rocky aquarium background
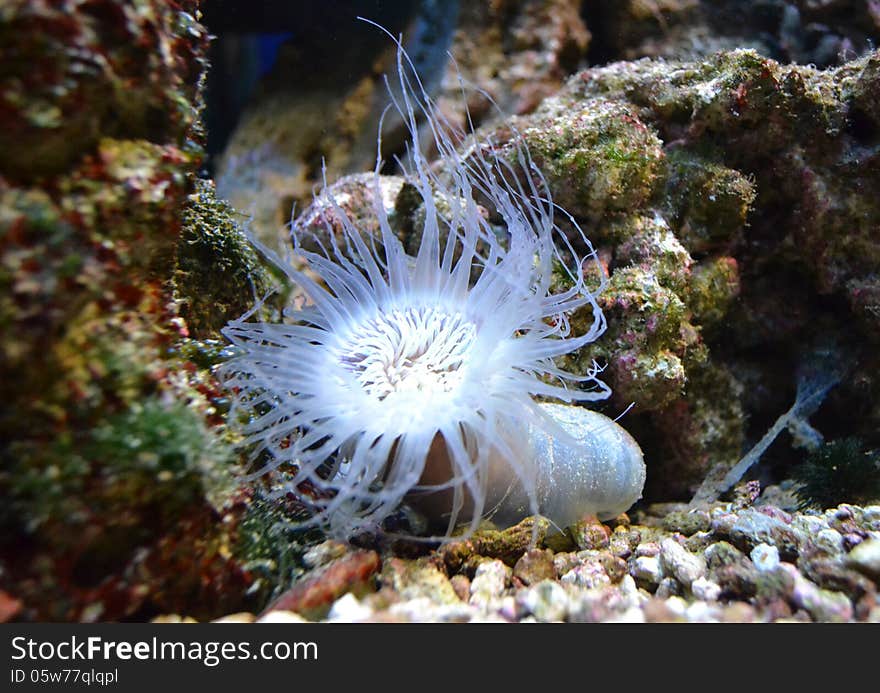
723, 157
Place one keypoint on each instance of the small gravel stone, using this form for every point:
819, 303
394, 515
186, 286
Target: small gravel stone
615, 567
565, 561
668, 587
587, 576
722, 522
871, 517
866, 558
508, 609
810, 524
646, 569
701, 612
621, 544
619, 603
629, 591
699, 541
657, 611
832, 573
676, 605
829, 540
722, 553
706, 590
765, 557
738, 612
732, 570
591, 535
678, 561
349, 609
489, 583
547, 601
462, 586
323, 553
648, 548
822, 605
313, 594
283, 617
423, 610
535, 565
242, 617
414, 579
846, 519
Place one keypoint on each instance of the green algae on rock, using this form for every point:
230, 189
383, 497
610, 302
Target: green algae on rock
272, 546
597, 159
764, 166
120, 481
78, 70
708, 203
213, 245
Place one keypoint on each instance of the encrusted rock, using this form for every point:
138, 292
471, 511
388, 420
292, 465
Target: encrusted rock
507, 545
752, 527
590, 534
829, 541
415, 579
687, 522
592, 570
313, 595
731, 570
535, 565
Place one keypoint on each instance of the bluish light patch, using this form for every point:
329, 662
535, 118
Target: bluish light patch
269, 45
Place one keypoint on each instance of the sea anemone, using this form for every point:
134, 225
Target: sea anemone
404, 377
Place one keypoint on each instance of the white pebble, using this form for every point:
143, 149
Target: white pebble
647, 569
706, 590
349, 608
829, 540
547, 601
490, 581
765, 557
282, 617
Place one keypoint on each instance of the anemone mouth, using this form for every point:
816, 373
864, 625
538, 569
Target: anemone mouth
415, 349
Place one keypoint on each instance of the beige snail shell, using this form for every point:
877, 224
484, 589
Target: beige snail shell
599, 470
590, 467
